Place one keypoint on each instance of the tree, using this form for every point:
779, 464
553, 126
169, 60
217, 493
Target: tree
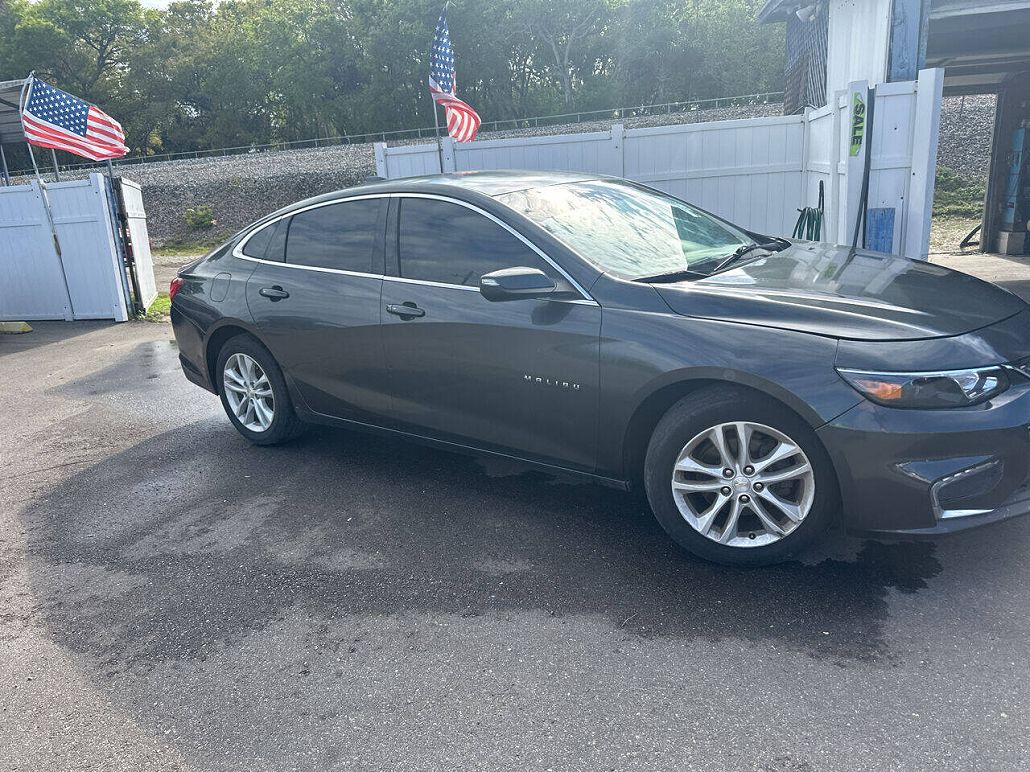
201, 74
562, 29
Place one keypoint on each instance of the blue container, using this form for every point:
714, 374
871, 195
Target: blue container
1010, 201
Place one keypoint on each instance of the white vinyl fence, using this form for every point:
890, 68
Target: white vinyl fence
906, 124
85, 278
755, 172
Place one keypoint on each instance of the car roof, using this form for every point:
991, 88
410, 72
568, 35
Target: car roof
496, 183
489, 183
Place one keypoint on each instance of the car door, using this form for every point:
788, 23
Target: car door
518, 375
315, 296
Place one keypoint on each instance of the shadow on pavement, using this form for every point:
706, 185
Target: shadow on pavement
194, 539
45, 333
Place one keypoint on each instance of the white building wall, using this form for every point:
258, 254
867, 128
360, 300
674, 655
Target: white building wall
859, 41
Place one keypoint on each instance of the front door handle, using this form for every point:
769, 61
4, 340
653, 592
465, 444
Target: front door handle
273, 293
405, 310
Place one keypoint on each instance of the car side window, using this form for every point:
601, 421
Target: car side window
450, 244
257, 244
277, 244
338, 236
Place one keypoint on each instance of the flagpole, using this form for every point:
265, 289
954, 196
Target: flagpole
436, 117
439, 140
43, 193
3, 163
57, 169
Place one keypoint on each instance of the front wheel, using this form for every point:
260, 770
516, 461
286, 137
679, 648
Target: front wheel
736, 478
254, 392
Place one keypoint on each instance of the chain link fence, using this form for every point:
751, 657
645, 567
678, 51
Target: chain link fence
620, 113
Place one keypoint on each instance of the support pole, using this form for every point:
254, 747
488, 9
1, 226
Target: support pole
46, 202
439, 141
35, 168
3, 164
57, 169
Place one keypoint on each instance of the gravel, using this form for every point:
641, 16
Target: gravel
967, 130
242, 188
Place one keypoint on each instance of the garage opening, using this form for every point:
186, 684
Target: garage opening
984, 49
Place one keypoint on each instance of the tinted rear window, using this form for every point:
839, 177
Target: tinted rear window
338, 236
258, 243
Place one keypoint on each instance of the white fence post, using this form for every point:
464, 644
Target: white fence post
619, 147
380, 151
836, 164
450, 161
925, 138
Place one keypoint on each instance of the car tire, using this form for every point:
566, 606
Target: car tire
254, 393
717, 518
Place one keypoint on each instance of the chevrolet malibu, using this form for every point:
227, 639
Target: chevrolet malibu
759, 390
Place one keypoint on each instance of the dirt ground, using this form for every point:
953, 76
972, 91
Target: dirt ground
947, 233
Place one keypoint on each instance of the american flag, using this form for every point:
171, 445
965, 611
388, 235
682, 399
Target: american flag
54, 118
462, 120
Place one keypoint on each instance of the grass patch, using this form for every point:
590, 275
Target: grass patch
183, 248
957, 196
159, 309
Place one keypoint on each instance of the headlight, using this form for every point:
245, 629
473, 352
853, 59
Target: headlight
955, 388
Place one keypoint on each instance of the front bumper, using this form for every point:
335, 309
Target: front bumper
932, 472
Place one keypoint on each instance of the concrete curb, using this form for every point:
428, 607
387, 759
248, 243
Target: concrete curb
14, 327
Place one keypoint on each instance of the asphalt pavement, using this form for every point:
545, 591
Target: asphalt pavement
174, 598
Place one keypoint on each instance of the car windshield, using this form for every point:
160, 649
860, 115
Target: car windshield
626, 230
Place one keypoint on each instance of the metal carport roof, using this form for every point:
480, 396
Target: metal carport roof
980, 43
10, 117
779, 10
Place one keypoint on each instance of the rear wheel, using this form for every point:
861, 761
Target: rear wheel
254, 392
736, 478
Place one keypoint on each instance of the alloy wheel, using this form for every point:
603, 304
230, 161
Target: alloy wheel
249, 392
743, 484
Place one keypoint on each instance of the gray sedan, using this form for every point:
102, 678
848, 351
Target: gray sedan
759, 390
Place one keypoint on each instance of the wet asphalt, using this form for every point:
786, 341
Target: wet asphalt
174, 598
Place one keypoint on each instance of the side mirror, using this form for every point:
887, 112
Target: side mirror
516, 284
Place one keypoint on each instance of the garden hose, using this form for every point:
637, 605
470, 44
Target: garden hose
810, 220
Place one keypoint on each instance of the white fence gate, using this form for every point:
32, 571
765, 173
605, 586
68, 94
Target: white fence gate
755, 172
136, 223
85, 279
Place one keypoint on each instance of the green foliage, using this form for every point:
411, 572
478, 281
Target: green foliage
195, 245
957, 196
201, 74
199, 217
159, 309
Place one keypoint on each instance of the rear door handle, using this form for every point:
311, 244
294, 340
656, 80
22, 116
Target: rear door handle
405, 310
273, 293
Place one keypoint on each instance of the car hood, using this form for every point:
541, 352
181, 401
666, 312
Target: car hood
826, 290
